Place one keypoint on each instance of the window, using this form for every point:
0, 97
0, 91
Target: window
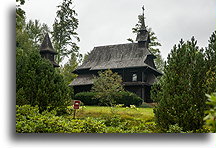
134, 77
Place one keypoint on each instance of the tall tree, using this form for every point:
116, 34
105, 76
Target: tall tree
64, 33
210, 60
153, 45
68, 68
36, 31
20, 14
182, 97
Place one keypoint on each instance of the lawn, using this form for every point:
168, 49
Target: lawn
123, 112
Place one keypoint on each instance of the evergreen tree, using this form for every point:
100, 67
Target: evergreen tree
64, 31
182, 98
210, 60
37, 82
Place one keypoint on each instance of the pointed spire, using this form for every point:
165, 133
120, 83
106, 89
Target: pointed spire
143, 35
143, 27
46, 45
47, 51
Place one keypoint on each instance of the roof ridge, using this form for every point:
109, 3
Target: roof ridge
114, 45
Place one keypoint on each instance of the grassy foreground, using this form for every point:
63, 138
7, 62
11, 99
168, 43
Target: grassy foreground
89, 119
127, 113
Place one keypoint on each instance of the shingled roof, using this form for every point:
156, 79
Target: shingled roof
116, 56
46, 45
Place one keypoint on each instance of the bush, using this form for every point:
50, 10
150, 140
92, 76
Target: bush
29, 120
210, 119
127, 98
88, 98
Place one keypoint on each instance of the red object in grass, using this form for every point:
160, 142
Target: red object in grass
76, 104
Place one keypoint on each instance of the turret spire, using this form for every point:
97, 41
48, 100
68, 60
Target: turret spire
143, 35
143, 20
47, 51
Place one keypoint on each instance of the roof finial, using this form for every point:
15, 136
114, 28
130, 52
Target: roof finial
143, 9
143, 19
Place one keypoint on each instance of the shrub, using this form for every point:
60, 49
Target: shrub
30, 120
88, 98
210, 119
127, 98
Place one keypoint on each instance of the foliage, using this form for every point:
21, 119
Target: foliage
181, 99
106, 84
153, 45
68, 68
37, 82
64, 30
20, 14
36, 32
30, 120
175, 129
127, 98
210, 55
210, 119
88, 98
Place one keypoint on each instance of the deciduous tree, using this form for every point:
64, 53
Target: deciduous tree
64, 32
105, 85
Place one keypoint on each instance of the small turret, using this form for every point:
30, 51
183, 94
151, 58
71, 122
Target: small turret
47, 51
143, 38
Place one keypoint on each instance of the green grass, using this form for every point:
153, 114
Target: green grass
125, 113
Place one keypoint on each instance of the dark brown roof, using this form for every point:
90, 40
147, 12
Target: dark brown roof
85, 79
116, 56
46, 45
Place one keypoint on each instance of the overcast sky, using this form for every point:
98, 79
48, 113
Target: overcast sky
107, 22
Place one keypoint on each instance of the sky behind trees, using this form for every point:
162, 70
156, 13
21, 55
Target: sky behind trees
107, 22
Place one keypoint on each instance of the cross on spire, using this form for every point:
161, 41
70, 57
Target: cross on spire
143, 20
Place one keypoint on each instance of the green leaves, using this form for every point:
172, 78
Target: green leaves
64, 30
210, 118
105, 84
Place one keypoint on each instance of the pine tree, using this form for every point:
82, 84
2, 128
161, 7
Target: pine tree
210, 60
182, 98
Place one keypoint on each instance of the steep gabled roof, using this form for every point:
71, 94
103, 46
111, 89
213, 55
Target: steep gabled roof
116, 56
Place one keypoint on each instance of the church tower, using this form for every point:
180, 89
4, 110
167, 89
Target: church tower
143, 38
47, 51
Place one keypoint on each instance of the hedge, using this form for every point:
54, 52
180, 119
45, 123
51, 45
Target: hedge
126, 98
88, 98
